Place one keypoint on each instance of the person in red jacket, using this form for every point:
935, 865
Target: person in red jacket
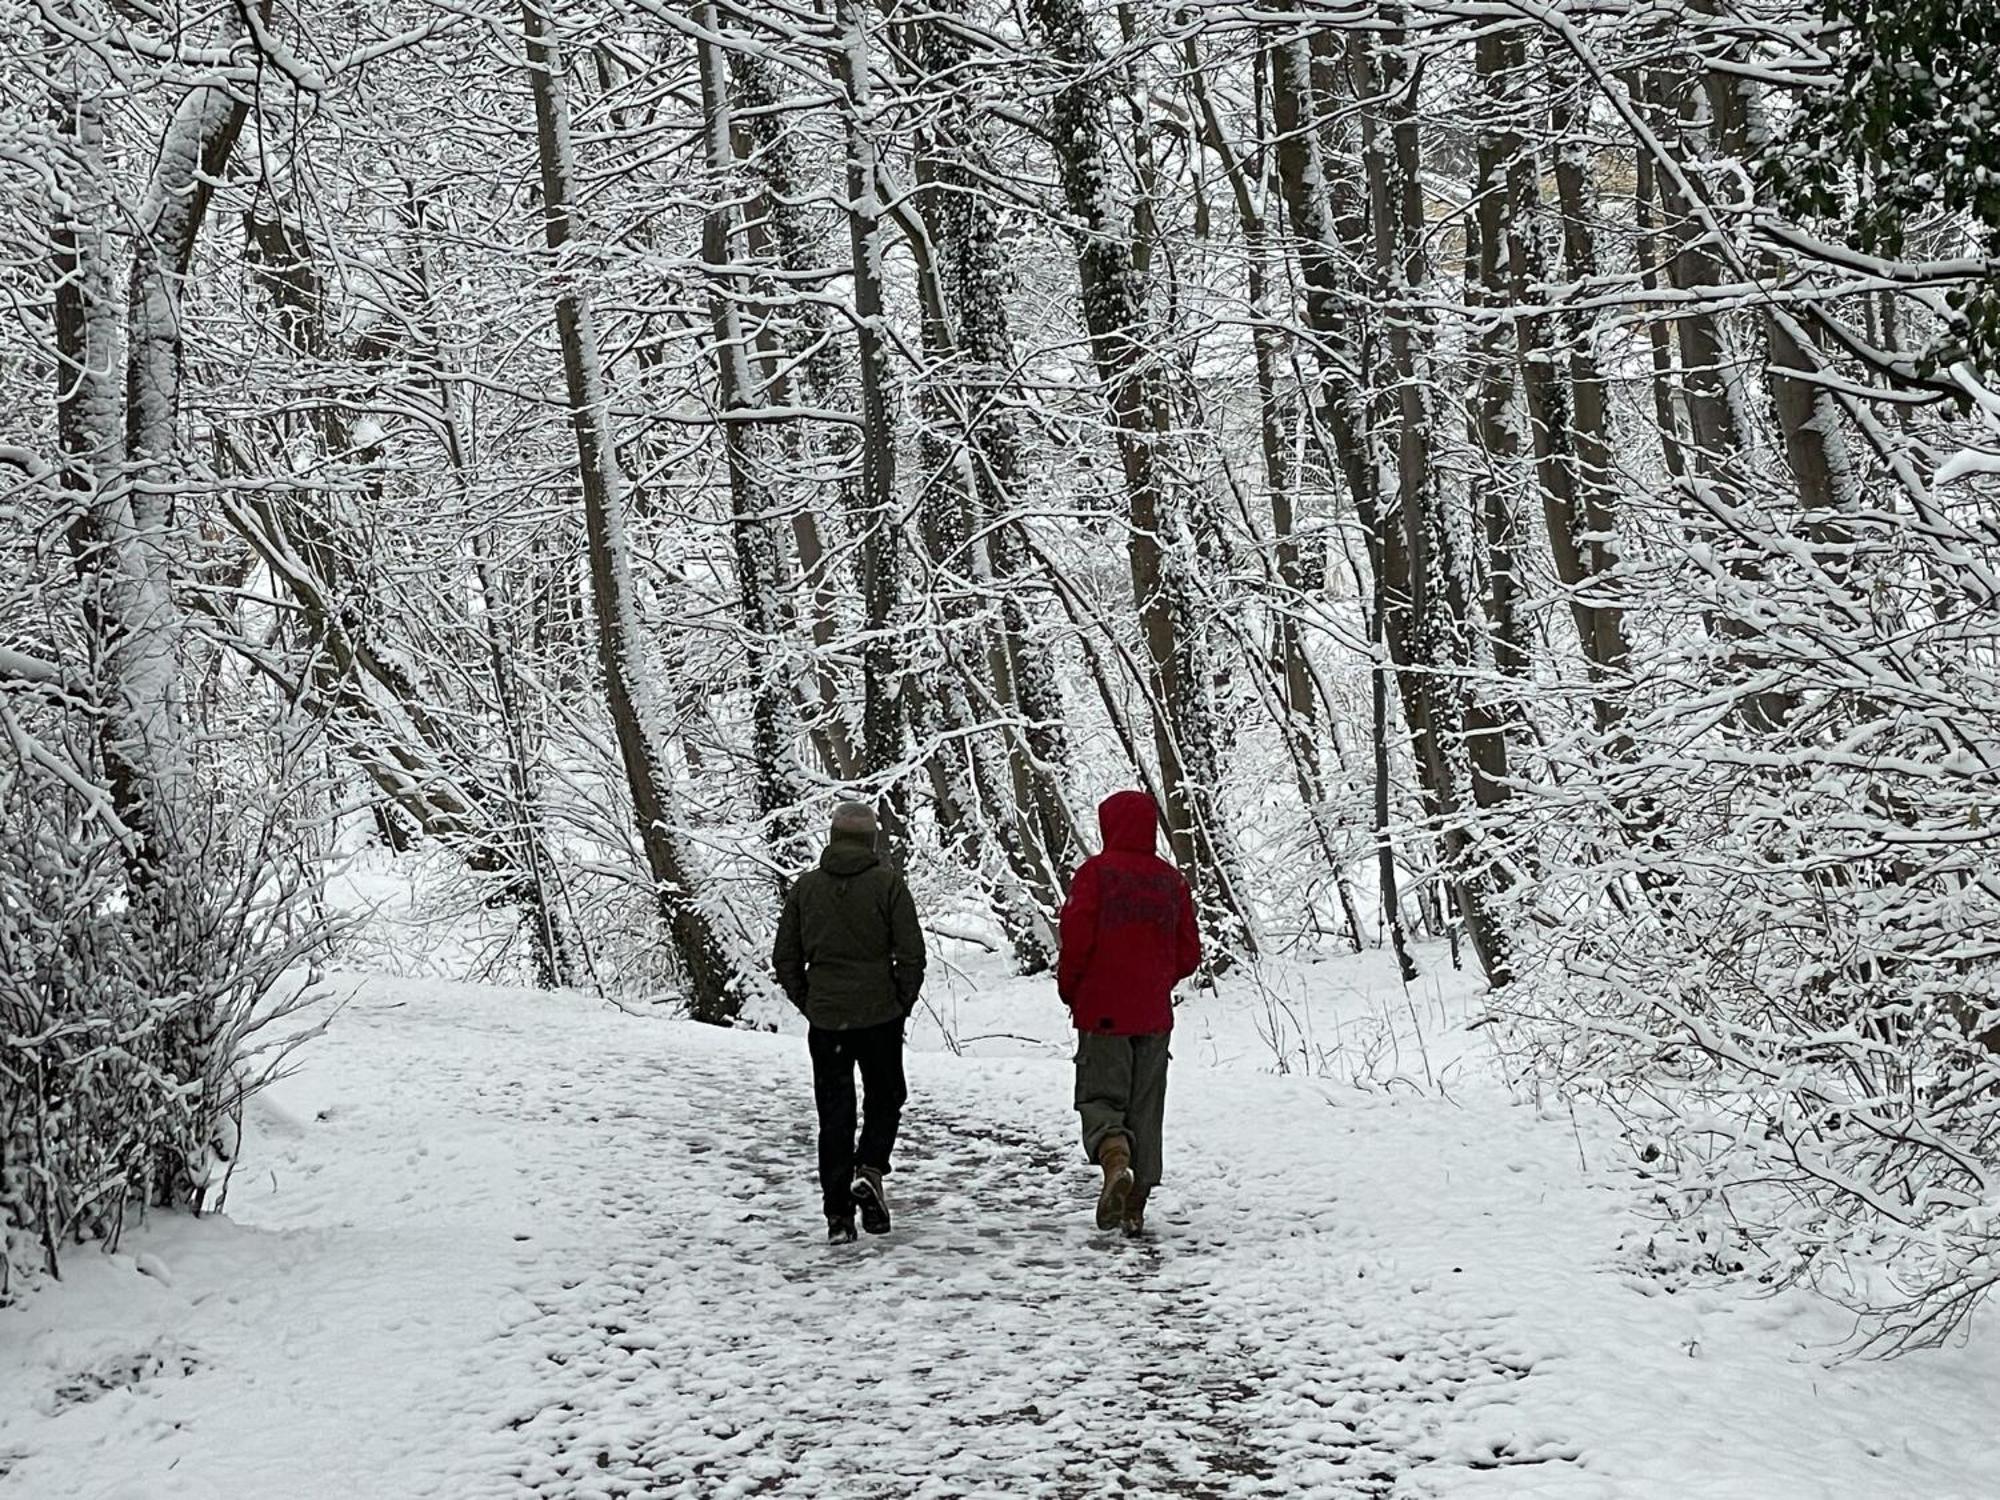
1128, 936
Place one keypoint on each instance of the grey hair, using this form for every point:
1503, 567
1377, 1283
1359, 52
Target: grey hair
854, 818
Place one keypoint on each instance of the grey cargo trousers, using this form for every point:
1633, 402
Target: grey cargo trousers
1121, 1089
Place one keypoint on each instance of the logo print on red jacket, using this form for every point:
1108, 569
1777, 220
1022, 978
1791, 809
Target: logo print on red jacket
1140, 898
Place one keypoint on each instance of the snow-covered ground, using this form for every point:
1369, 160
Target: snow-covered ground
494, 1243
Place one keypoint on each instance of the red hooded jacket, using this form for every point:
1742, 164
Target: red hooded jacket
1128, 929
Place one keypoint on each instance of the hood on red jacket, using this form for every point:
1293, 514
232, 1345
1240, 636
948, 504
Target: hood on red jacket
1129, 822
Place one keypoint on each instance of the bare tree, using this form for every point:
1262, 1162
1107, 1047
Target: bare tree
1140, 407
714, 988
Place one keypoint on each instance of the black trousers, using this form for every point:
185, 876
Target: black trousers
878, 1052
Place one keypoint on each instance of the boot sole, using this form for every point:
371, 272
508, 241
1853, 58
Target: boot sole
1111, 1202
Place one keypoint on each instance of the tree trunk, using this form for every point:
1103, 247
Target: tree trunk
1500, 262
1298, 699
780, 232
715, 990
1809, 419
1184, 729
538, 891
131, 668
1029, 897
120, 495
377, 710
972, 280
1464, 729
1572, 429
1719, 448
780, 788
881, 538
1385, 849
1383, 446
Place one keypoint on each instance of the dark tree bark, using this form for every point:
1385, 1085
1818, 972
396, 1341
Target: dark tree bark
780, 789
1185, 734
1382, 441
972, 281
1501, 260
882, 743
801, 359
958, 752
714, 989
1298, 710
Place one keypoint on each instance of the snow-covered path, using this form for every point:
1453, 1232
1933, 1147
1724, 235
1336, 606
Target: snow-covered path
491, 1244
994, 1344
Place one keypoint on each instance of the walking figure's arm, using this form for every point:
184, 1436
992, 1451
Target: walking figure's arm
788, 954
1076, 934
906, 945
1187, 943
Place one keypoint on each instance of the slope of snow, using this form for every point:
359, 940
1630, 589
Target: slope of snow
493, 1243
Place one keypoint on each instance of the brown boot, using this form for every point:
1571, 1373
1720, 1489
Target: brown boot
1135, 1213
1115, 1156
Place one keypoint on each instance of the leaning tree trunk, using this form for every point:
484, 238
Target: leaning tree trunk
972, 280
780, 790
117, 499
1185, 732
714, 988
121, 491
881, 538
1383, 445
1298, 699
375, 707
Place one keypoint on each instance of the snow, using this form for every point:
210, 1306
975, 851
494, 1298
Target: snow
497, 1243
1965, 464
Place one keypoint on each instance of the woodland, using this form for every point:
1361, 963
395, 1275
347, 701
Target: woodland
1517, 480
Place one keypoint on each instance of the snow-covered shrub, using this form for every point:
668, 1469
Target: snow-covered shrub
1773, 949
129, 1023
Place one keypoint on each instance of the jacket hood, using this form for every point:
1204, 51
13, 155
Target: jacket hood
1129, 822
848, 856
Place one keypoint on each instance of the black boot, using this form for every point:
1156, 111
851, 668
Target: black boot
839, 1231
870, 1198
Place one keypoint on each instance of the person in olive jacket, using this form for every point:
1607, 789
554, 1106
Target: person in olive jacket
850, 956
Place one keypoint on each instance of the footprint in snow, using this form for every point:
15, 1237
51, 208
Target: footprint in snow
994, 1343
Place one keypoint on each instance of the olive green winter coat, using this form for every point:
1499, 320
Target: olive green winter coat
849, 952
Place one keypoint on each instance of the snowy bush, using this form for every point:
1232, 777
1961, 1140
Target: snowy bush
1777, 962
1823, 1085
129, 1027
